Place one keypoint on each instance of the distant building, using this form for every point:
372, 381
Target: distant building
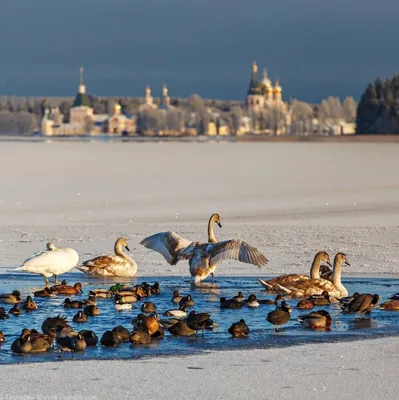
262, 94
82, 120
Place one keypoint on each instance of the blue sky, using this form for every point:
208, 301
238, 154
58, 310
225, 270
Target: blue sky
316, 48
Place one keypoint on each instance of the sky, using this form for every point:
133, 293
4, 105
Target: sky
316, 48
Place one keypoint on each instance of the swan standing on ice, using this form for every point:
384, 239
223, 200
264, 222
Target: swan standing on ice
53, 261
203, 257
119, 265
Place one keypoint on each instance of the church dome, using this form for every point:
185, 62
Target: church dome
254, 84
82, 99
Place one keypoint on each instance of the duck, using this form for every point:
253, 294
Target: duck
29, 304
179, 313
344, 301
290, 279
68, 303
155, 288
118, 265
120, 306
53, 324
90, 338
148, 307
46, 292
4, 314
2, 338
230, 304
91, 311
80, 317
239, 297
168, 322
305, 304
15, 310
101, 293
391, 305
252, 301
203, 257
326, 272
67, 289
11, 298
180, 328
115, 288
239, 329
51, 262
122, 333
40, 342
22, 346
278, 298
159, 334
126, 297
149, 324
322, 299
317, 320
280, 316
187, 301
198, 321
67, 340
395, 297
176, 297
110, 339
362, 304
140, 337
310, 287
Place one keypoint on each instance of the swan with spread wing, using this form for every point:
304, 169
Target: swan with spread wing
203, 257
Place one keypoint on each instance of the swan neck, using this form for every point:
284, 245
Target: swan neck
211, 233
118, 249
315, 268
337, 273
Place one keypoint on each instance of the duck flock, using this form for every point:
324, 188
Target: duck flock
321, 288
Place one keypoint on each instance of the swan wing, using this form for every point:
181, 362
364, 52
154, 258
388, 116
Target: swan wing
168, 244
236, 250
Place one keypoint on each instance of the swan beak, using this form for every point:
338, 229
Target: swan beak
346, 262
220, 225
127, 248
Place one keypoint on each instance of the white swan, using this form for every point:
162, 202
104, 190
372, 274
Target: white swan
119, 265
54, 261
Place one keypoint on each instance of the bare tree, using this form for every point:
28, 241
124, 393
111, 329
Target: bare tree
195, 103
349, 108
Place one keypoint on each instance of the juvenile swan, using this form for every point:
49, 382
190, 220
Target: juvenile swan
289, 279
107, 266
54, 261
317, 286
203, 257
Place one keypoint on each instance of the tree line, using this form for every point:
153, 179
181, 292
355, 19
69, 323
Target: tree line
378, 109
22, 115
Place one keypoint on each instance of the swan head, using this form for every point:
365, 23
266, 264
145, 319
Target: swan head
123, 242
216, 219
50, 246
341, 259
324, 257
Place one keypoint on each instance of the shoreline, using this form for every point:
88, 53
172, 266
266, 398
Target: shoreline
355, 138
264, 374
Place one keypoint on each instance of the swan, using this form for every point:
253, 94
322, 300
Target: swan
53, 261
203, 257
170, 244
286, 280
310, 287
118, 265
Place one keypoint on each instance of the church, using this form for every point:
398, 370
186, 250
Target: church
262, 94
83, 121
